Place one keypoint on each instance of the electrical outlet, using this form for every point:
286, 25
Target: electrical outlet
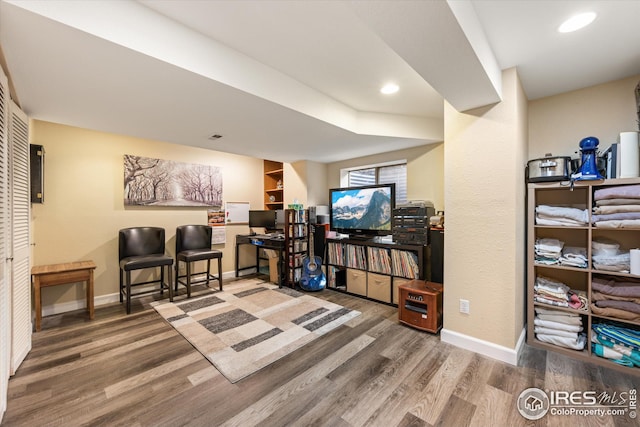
464, 306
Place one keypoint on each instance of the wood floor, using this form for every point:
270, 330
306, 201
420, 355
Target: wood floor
136, 370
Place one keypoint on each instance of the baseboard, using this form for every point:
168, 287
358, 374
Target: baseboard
49, 310
486, 348
242, 273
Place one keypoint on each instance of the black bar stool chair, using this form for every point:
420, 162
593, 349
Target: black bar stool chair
141, 248
193, 243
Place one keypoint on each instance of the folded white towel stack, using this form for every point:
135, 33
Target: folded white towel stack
561, 328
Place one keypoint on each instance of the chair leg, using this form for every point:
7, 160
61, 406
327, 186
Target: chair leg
162, 284
176, 276
188, 279
128, 292
220, 272
208, 272
169, 267
121, 284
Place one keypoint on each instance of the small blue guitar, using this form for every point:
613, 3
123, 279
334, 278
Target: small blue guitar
313, 278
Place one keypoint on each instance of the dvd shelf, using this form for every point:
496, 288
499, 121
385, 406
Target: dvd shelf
405, 264
297, 230
335, 253
300, 246
373, 270
332, 281
355, 257
379, 260
296, 244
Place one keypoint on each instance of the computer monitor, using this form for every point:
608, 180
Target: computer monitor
262, 219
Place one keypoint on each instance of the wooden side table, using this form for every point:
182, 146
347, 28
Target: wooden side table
60, 274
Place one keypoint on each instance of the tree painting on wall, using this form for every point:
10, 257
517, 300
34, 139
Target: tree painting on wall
156, 182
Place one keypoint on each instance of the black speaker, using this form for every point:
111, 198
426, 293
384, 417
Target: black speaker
318, 240
437, 256
36, 159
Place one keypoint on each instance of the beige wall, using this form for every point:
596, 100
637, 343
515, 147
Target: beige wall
295, 183
425, 171
484, 203
306, 181
558, 123
84, 209
317, 188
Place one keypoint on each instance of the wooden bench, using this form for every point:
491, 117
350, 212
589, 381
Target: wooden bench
60, 274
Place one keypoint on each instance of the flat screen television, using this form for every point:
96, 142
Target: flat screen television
362, 211
262, 219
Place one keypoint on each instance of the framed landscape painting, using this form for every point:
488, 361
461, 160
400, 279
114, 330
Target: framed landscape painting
156, 182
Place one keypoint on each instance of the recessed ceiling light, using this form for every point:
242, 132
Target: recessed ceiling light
215, 136
389, 88
576, 22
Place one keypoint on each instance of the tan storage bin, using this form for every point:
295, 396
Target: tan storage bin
273, 264
379, 287
357, 282
398, 281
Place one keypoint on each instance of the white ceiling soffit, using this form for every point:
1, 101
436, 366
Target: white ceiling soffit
321, 44
444, 42
164, 39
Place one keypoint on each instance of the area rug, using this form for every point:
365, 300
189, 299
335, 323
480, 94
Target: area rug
251, 324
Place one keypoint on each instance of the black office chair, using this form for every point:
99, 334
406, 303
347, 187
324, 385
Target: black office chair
193, 243
142, 248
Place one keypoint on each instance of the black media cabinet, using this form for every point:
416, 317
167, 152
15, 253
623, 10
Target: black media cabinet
374, 270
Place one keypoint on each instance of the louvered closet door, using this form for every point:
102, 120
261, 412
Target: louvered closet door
20, 203
5, 317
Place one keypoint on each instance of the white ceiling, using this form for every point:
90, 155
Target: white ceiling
299, 80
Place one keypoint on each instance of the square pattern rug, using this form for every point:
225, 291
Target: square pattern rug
251, 324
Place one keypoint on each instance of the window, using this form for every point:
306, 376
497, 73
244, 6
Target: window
382, 175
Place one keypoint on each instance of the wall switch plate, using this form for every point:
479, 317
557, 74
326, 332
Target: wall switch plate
464, 306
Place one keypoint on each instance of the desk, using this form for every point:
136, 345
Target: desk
263, 242
59, 274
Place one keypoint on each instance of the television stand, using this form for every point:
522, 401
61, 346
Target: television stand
383, 240
361, 238
374, 270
